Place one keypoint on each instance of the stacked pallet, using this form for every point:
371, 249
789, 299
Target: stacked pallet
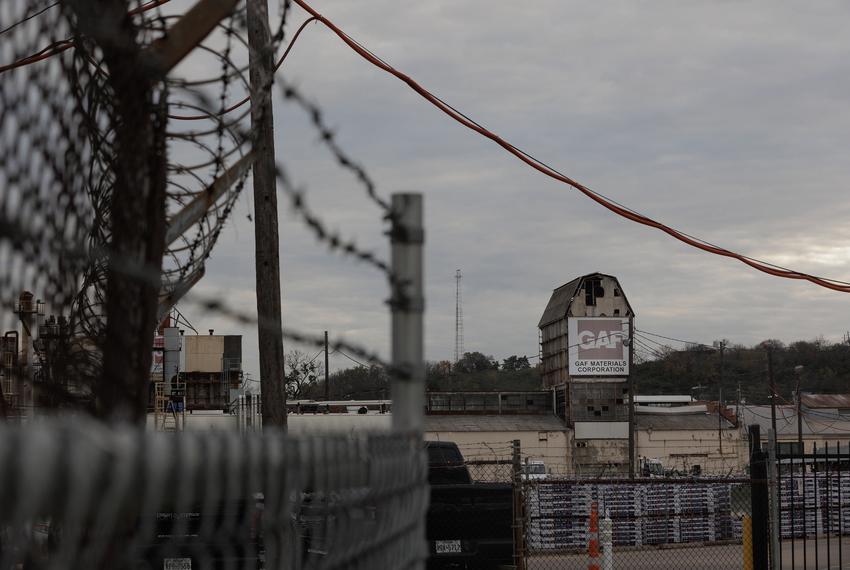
558, 515
814, 504
622, 504
642, 514
659, 514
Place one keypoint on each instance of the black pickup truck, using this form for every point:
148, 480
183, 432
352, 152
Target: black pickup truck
469, 525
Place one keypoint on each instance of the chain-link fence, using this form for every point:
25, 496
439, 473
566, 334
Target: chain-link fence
77, 494
633, 524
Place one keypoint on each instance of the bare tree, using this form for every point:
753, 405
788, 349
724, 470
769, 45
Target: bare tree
302, 375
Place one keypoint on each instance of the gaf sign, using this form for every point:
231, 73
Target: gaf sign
597, 347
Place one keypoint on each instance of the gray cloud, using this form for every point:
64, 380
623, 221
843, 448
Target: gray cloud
722, 119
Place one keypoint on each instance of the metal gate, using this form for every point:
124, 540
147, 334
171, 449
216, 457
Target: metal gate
811, 508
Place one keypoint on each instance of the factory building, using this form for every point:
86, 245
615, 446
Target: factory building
211, 367
585, 334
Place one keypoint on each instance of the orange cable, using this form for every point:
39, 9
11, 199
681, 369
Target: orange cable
548, 171
60, 46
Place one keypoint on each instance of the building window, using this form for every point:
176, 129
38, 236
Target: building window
789, 448
616, 312
616, 292
593, 290
543, 436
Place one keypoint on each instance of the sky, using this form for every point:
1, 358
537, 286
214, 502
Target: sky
723, 119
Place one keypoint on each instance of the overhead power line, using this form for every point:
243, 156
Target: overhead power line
352, 359
674, 339
539, 165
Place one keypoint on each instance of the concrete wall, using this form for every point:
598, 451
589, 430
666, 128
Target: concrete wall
203, 353
203, 421
598, 456
680, 449
552, 447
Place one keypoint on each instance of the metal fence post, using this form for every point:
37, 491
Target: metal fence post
408, 305
773, 478
760, 502
519, 506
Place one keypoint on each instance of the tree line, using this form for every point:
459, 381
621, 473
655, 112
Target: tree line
816, 366
305, 378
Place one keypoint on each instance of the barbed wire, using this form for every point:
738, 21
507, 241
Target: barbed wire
328, 138
69, 265
216, 305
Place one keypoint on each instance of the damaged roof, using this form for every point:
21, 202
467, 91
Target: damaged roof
562, 297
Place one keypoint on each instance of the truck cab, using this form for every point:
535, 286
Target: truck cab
534, 470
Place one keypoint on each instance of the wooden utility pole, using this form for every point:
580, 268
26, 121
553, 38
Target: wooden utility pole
772, 381
798, 370
269, 331
327, 375
722, 347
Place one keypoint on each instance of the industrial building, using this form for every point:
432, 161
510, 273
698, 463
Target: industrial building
585, 333
206, 369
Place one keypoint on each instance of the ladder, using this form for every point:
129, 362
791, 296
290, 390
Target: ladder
169, 409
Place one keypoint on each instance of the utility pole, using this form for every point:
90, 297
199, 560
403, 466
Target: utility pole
772, 381
738, 404
721, 346
327, 378
799, 370
720, 423
269, 331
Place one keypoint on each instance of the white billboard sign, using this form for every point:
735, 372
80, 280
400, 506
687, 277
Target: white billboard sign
597, 347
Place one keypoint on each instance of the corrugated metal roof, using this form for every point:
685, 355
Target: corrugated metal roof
663, 399
505, 423
559, 302
826, 400
815, 422
672, 410
680, 422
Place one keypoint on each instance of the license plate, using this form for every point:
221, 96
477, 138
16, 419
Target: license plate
448, 546
177, 564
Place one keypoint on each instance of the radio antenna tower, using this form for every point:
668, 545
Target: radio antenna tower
458, 318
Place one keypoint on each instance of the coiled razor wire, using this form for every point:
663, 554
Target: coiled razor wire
78, 494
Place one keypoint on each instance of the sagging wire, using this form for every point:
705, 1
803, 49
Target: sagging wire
535, 163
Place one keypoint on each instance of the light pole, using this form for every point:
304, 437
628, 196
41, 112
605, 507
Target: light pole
721, 346
798, 370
